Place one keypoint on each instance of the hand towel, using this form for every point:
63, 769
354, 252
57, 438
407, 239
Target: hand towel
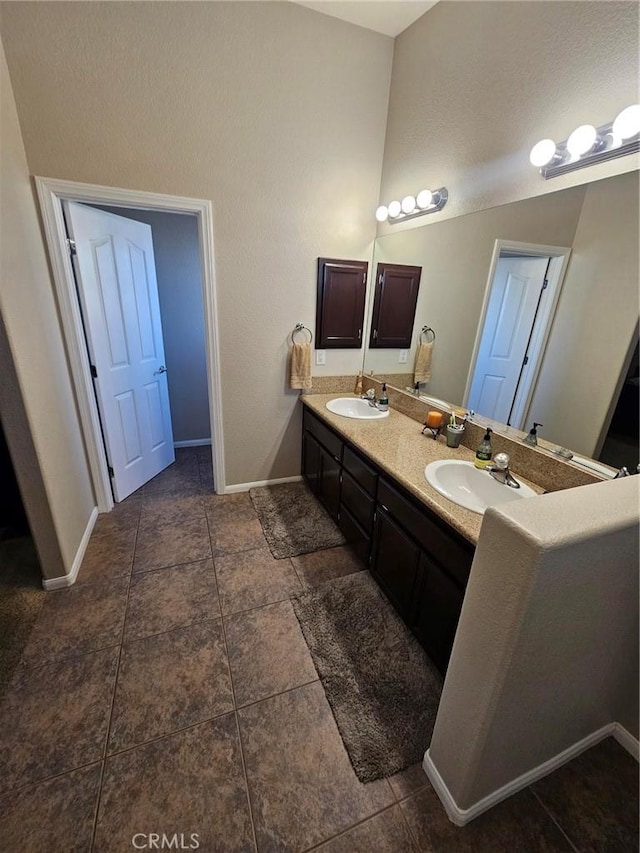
422, 368
300, 365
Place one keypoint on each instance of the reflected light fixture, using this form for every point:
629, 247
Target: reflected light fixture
426, 201
587, 145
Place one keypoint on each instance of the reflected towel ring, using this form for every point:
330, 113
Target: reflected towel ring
427, 330
300, 327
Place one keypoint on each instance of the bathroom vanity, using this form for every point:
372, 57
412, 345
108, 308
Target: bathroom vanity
367, 476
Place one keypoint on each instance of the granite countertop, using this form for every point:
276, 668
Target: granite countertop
397, 446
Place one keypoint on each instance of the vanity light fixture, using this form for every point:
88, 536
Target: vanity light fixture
588, 145
426, 201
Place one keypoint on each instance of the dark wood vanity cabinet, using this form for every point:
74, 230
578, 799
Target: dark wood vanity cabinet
420, 563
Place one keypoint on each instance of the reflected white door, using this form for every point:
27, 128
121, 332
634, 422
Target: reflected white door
118, 291
518, 284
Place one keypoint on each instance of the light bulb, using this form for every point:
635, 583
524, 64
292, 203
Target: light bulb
542, 153
382, 213
424, 199
582, 140
395, 209
408, 204
627, 123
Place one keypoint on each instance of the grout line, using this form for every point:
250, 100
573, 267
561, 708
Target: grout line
5, 792
280, 693
412, 834
346, 831
553, 818
233, 693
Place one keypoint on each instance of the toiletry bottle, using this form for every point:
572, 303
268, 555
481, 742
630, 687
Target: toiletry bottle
383, 402
532, 438
483, 453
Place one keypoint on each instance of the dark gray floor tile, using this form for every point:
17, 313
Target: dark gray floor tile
519, 823
55, 816
168, 682
253, 578
303, 788
408, 781
387, 832
594, 798
171, 598
236, 507
232, 536
78, 620
108, 556
164, 508
55, 718
267, 652
190, 782
161, 544
319, 567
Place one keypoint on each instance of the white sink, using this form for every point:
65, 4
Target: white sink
470, 487
353, 407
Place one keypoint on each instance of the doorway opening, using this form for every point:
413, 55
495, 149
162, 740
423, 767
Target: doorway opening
139, 437
521, 296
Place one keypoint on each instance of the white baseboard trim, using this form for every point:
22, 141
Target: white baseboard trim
70, 578
193, 442
244, 487
627, 741
460, 817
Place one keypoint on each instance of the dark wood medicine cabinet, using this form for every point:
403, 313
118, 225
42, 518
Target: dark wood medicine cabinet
394, 306
342, 288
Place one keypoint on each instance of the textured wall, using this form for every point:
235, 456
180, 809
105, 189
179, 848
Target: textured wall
177, 255
50, 462
475, 85
547, 646
275, 112
596, 318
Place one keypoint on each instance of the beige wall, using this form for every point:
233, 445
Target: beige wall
35, 358
177, 255
455, 256
475, 85
275, 112
547, 646
596, 318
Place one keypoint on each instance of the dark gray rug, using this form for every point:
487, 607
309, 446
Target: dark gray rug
382, 688
293, 520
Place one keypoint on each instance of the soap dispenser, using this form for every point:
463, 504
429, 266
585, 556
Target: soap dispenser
383, 402
483, 453
532, 438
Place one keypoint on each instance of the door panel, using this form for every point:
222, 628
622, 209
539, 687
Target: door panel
116, 277
342, 287
394, 306
516, 291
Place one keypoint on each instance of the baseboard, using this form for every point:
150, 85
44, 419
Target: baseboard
460, 817
193, 442
70, 578
244, 487
627, 741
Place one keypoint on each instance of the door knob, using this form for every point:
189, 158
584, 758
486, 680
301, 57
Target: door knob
161, 369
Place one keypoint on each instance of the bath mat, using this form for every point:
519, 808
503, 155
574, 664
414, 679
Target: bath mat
383, 689
293, 520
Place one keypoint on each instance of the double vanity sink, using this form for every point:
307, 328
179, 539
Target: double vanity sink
456, 479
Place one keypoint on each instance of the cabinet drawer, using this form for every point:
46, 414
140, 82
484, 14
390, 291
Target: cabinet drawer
452, 552
356, 538
360, 470
324, 434
358, 502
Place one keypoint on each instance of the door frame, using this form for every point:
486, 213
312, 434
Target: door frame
51, 193
557, 270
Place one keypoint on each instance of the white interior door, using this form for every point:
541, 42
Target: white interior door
513, 303
118, 290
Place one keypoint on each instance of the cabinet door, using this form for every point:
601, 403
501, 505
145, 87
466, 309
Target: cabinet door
394, 562
394, 306
342, 286
438, 610
356, 537
310, 461
329, 483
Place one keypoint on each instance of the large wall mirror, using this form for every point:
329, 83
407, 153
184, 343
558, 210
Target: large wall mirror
534, 306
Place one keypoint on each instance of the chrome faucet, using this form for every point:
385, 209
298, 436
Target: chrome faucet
370, 397
499, 470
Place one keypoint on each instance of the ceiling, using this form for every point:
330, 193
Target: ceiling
389, 17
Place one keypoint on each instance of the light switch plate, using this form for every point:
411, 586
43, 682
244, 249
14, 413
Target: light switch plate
321, 356
404, 355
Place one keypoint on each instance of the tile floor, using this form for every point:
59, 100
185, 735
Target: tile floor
171, 691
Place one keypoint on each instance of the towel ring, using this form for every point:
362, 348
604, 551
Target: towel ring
427, 330
300, 327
